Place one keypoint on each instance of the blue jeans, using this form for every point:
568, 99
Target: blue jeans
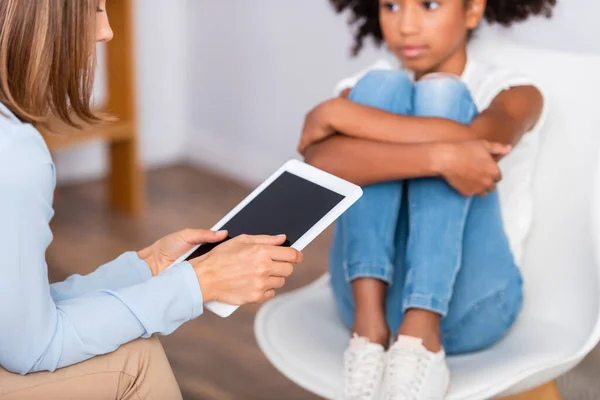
436, 249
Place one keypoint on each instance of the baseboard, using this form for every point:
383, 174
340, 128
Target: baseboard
249, 163
90, 162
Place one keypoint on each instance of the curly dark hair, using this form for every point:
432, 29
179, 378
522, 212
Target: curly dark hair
364, 16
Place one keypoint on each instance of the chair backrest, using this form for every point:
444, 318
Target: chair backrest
560, 268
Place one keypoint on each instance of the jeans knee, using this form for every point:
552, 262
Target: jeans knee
444, 95
440, 83
389, 90
386, 81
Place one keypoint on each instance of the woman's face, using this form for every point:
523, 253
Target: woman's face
103, 31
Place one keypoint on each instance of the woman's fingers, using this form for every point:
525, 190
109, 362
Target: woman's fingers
199, 236
269, 294
261, 239
286, 254
275, 282
282, 269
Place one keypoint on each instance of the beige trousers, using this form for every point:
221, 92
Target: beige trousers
138, 370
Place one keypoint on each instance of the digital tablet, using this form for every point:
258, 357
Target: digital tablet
298, 200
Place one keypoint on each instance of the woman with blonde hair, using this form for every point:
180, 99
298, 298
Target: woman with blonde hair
91, 337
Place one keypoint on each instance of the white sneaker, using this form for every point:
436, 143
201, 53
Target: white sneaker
364, 364
415, 373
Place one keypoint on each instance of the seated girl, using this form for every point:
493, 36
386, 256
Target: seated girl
426, 263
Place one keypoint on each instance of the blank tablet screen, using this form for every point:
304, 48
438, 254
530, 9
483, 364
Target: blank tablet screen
289, 205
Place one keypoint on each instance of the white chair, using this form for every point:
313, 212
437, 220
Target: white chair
302, 336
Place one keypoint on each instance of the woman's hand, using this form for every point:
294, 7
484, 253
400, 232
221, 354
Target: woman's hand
245, 269
317, 125
165, 251
470, 167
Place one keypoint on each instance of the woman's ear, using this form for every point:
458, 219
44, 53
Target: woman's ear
475, 11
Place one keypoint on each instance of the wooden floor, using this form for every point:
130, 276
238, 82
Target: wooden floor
213, 358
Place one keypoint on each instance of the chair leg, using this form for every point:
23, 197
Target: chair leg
548, 391
125, 182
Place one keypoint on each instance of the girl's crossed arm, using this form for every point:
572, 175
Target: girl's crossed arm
510, 115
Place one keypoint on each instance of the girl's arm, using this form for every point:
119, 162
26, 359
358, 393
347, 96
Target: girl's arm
469, 167
366, 162
510, 115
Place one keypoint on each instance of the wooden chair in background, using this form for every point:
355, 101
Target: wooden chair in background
125, 180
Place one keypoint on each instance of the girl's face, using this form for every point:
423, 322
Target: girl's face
103, 31
427, 36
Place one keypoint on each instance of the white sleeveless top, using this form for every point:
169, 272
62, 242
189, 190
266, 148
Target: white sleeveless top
485, 82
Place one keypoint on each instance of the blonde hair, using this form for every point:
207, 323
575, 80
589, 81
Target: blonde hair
47, 59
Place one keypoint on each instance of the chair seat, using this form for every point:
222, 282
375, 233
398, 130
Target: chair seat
302, 335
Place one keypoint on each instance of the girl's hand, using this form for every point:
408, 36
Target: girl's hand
317, 125
470, 167
245, 269
165, 251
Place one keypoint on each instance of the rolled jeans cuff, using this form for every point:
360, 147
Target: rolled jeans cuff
426, 302
367, 270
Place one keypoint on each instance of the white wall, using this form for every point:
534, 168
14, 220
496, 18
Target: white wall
161, 78
258, 66
574, 27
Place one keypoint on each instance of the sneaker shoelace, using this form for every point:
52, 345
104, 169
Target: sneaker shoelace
406, 373
363, 368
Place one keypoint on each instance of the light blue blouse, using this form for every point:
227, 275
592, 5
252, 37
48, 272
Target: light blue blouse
43, 326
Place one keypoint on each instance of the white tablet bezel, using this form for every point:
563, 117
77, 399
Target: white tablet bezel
350, 191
